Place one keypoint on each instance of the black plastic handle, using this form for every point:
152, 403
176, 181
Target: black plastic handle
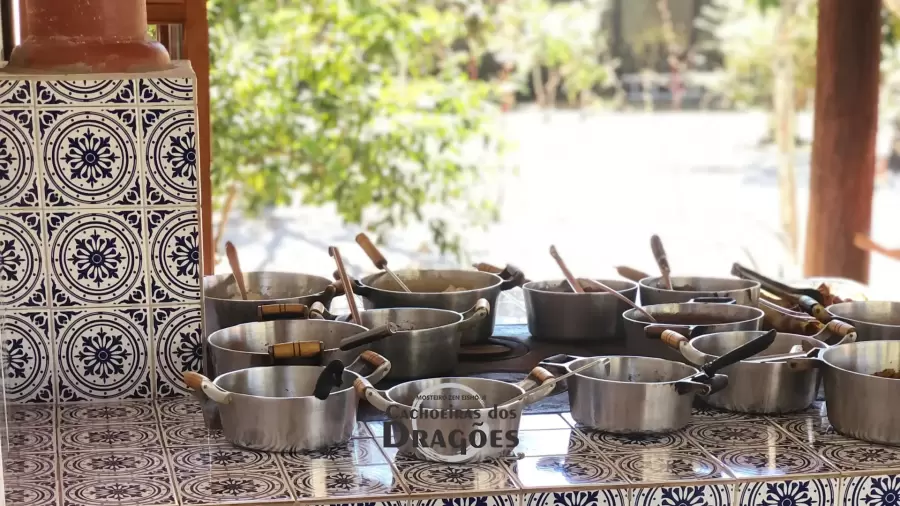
332, 376
742, 352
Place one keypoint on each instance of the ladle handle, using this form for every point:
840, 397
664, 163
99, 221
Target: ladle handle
235, 263
631, 274
742, 352
839, 328
659, 254
369, 336
271, 312
371, 251
345, 280
573, 282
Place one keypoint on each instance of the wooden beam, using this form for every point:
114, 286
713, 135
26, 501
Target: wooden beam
842, 175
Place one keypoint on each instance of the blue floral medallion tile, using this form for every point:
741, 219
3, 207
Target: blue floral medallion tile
103, 464
90, 157
606, 497
108, 437
534, 443
422, 476
190, 433
224, 458
736, 434
813, 430
106, 413
608, 442
15, 93
177, 90
705, 413
668, 466
872, 491
31, 415
698, 495
24, 441
30, 467
179, 409
18, 169
22, 274
27, 363
30, 493
170, 149
356, 452
564, 471
821, 492
484, 500
102, 354
119, 491
175, 255
237, 487
85, 93
773, 461
96, 258
332, 481
178, 347
861, 456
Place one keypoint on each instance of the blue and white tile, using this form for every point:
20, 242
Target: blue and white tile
77, 438
175, 255
695, 495
170, 149
85, 92
179, 434
26, 493
103, 464
329, 481
558, 471
16, 93
24, 441
804, 492
882, 490
356, 452
224, 458
861, 456
425, 477
607, 442
96, 258
812, 430
31, 415
30, 467
668, 466
179, 409
23, 281
18, 161
792, 459
534, 443
225, 488
178, 347
90, 157
605, 497
28, 356
119, 490
714, 435
106, 413
166, 91
477, 500
102, 354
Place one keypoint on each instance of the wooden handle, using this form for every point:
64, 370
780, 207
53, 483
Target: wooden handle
281, 311
631, 274
360, 386
345, 280
540, 375
372, 358
659, 253
673, 339
371, 251
317, 311
840, 328
576, 286
485, 267
193, 380
866, 243
232, 254
297, 349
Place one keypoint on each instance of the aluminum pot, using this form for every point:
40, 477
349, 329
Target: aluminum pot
744, 292
429, 290
859, 405
427, 343
761, 388
556, 313
272, 408
874, 321
426, 405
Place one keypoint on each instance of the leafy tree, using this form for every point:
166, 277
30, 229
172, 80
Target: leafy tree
363, 104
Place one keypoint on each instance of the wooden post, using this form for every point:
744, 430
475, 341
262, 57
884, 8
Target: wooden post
846, 121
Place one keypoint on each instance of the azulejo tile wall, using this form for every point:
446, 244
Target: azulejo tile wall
99, 235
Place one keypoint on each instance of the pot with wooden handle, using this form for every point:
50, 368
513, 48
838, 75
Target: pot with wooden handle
686, 288
556, 313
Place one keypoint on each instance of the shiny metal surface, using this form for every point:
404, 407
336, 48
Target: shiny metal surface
631, 394
874, 321
769, 388
744, 292
244, 346
272, 409
379, 291
556, 313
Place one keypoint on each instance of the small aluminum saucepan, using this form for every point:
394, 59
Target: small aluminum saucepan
744, 292
556, 313
874, 321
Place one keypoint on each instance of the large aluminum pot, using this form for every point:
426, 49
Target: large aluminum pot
632, 394
761, 388
453, 290
556, 313
874, 321
427, 344
425, 406
744, 292
859, 404
273, 409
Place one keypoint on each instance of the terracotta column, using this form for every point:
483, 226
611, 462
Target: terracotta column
86, 36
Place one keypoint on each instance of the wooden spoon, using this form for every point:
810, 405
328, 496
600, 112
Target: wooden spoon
659, 253
348, 287
232, 254
378, 259
576, 286
866, 243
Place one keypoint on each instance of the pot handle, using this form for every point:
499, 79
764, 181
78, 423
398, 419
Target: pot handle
197, 381
296, 349
318, 311
358, 287
808, 363
656, 330
381, 365
559, 365
533, 385
712, 300
473, 316
512, 277
271, 312
365, 390
682, 345
702, 386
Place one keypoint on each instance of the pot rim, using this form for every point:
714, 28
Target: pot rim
364, 281
387, 393
823, 358
571, 366
858, 320
644, 283
708, 357
222, 277
626, 315
302, 397
224, 331
632, 286
413, 331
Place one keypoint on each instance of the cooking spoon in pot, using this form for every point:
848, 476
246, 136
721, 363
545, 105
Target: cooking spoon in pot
659, 254
631, 273
576, 286
378, 259
231, 253
348, 286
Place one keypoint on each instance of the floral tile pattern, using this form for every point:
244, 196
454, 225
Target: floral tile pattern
179, 409
822, 492
18, 165
190, 434
31, 493
28, 363
773, 461
131, 490
103, 464
101, 437
325, 482
15, 93
178, 347
30, 467
21, 265
812, 430
23, 441
665, 466
233, 487
485, 500
435, 477
860, 456
106, 413
607, 497
534, 443
696, 495
85, 92
224, 458
170, 91
737, 433
630, 442
872, 490
174, 254
360, 452
170, 137
564, 470
31, 415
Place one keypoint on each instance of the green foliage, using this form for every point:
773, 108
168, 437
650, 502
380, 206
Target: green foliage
363, 104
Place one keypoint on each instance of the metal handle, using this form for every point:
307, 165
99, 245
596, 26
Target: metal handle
533, 385
369, 358
369, 336
196, 381
473, 317
512, 277
365, 390
713, 300
271, 312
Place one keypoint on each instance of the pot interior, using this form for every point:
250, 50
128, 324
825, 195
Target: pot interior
255, 337
700, 284
721, 343
868, 357
696, 314
635, 370
458, 393
562, 286
278, 381
409, 319
433, 281
264, 286
877, 313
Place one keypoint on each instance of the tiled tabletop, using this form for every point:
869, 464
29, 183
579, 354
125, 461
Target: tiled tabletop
141, 453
